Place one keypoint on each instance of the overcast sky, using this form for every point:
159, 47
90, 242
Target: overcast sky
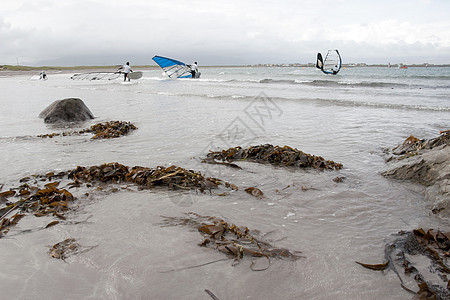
109, 32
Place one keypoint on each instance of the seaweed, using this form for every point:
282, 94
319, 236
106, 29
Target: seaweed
49, 200
172, 177
376, 267
281, 156
5, 195
214, 297
234, 241
255, 192
63, 249
106, 130
41, 202
412, 145
66, 248
434, 245
212, 161
112, 129
339, 179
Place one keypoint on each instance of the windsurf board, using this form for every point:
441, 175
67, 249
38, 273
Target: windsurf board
135, 75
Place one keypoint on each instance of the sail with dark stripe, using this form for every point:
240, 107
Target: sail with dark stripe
319, 63
332, 63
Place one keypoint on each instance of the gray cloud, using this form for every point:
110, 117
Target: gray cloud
104, 32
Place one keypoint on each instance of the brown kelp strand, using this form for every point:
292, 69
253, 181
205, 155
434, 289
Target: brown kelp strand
106, 130
412, 145
210, 160
7, 223
5, 195
275, 155
407, 253
236, 242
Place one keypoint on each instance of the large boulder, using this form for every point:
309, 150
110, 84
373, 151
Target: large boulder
66, 110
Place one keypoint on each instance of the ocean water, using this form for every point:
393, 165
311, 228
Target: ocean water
348, 118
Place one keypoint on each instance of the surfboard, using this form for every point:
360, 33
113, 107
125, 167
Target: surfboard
135, 75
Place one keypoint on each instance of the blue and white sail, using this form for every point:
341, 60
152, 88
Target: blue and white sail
332, 63
172, 67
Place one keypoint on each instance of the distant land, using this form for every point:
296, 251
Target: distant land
349, 65
115, 67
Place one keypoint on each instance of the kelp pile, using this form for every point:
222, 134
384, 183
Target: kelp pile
236, 242
412, 145
50, 200
275, 155
408, 250
172, 177
111, 129
106, 130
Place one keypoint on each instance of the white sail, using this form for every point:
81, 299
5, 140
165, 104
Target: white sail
331, 64
96, 76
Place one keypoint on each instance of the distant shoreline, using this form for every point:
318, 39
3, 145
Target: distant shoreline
9, 70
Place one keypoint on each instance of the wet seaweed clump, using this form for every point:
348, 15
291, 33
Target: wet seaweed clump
112, 129
409, 251
412, 145
172, 177
106, 130
35, 197
236, 242
275, 155
47, 201
255, 192
66, 248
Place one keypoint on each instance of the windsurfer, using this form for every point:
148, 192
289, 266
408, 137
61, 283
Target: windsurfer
126, 69
43, 76
175, 68
332, 63
194, 69
336, 69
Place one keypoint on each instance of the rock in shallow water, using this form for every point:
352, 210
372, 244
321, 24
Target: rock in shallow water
66, 110
427, 163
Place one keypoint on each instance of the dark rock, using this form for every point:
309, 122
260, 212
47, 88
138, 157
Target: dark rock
429, 165
66, 110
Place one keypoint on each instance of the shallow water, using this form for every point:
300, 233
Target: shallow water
348, 118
